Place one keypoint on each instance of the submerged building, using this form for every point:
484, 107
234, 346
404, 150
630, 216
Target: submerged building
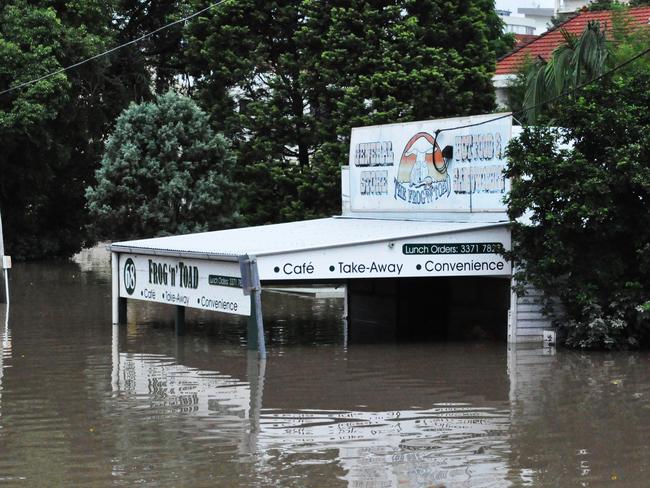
419, 244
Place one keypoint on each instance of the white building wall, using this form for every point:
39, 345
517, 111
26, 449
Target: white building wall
519, 24
501, 85
569, 6
526, 319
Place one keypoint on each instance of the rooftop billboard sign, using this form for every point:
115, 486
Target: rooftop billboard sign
447, 165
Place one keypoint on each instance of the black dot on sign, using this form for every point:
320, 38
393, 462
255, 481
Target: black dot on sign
418, 267
331, 268
141, 293
276, 269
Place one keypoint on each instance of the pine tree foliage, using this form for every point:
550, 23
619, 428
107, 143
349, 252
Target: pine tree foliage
284, 80
164, 171
287, 79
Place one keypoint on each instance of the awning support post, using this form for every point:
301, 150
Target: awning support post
121, 311
118, 310
251, 332
3, 293
5, 262
118, 304
179, 323
346, 314
252, 286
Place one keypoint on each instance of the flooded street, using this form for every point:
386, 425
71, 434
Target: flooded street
83, 403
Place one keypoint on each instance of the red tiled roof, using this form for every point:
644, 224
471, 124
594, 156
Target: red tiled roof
544, 45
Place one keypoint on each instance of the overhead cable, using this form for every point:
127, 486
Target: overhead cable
205, 9
552, 99
112, 50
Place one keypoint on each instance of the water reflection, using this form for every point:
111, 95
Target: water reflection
450, 443
288, 418
5, 345
581, 418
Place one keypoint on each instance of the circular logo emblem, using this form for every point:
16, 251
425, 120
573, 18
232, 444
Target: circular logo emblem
129, 276
422, 163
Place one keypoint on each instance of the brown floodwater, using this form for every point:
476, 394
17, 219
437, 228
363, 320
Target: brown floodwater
83, 403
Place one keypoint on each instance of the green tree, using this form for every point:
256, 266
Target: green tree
164, 171
589, 242
286, 80
53, 131
596, 5
580, 59
153, 65
50, 131
629, 39
577, 60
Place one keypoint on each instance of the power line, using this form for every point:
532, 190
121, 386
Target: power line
525, 109
199, 12
586, 83
552, 99
112, 50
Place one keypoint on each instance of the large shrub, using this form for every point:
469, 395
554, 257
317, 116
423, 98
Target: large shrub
589, 242
164, 171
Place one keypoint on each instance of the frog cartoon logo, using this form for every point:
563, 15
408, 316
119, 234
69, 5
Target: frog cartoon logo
423, 175
421, 163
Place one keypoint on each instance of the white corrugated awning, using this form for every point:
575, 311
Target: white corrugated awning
293, 237
345, 248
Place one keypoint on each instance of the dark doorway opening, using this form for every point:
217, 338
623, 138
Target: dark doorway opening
428, 309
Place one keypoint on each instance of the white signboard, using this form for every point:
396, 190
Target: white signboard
430, 166
474, 253
194, 283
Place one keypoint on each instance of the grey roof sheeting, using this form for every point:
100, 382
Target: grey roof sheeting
292, 237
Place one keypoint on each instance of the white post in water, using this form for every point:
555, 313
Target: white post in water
6, 264
115, 288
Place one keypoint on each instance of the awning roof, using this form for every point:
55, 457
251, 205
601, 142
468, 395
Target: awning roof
292, 237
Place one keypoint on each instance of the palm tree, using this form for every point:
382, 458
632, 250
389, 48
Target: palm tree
577, 61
